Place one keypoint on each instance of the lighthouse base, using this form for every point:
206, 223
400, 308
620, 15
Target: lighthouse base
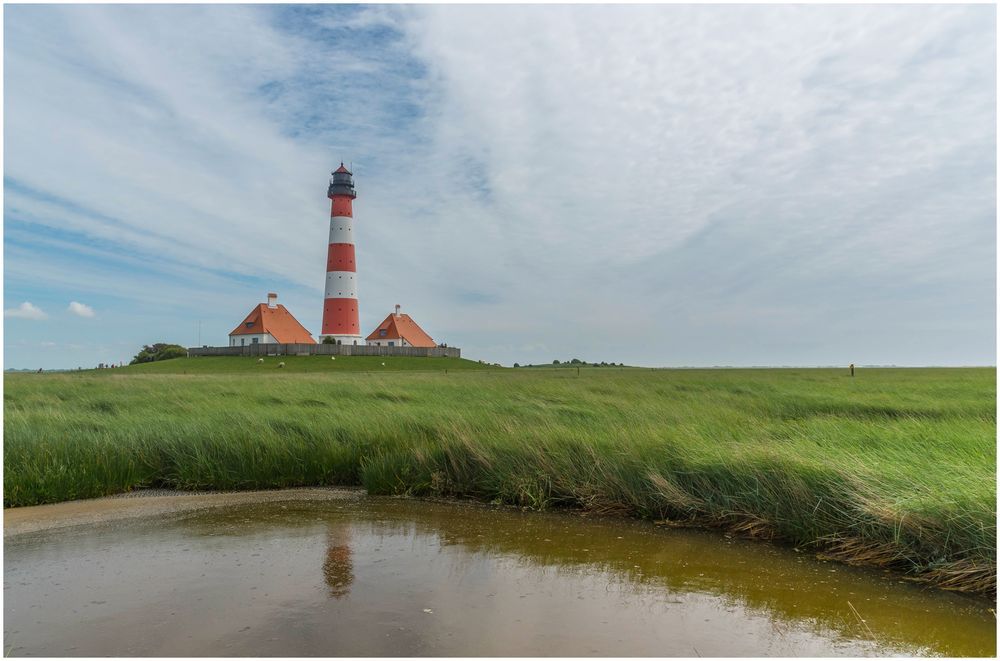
350, 340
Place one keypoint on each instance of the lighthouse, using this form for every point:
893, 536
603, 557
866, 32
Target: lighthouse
340, 304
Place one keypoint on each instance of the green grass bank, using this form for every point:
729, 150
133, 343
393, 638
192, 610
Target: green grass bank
299, 364
894, 468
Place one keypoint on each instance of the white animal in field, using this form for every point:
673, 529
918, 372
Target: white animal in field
281, 364
333, 358
260, 360
383, 364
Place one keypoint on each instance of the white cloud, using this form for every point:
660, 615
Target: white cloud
80, 310
25, 311
698, 182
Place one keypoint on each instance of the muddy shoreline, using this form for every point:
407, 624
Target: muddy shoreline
151, 502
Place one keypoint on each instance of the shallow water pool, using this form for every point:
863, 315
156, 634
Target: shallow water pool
335, 573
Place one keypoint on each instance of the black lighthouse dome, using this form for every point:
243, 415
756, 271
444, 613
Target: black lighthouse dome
341, 183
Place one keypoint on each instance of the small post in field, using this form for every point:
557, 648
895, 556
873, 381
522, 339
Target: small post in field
852, 369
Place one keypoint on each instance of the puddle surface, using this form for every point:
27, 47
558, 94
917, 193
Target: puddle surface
362, 576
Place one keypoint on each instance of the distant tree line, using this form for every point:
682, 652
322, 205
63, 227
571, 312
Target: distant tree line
576, 362
159, 351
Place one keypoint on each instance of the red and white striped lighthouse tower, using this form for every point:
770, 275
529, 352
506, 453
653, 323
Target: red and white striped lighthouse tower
340, 305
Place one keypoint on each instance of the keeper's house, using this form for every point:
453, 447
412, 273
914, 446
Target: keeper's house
398, 330
270, 323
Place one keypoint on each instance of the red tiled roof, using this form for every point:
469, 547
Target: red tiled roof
276, 321
401, 327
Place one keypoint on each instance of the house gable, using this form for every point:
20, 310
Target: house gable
400, 327
277, 322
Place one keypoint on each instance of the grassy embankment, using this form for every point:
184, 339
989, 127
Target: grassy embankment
300, 364
896, 467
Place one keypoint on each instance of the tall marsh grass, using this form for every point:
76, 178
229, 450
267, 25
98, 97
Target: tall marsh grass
894, 468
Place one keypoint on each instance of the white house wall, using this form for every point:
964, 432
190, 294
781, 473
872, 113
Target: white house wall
385, 342
262, 338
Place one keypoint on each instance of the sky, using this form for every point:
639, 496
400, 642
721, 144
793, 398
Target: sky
655, 185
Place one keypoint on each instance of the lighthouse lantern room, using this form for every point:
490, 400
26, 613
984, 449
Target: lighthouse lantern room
340, 304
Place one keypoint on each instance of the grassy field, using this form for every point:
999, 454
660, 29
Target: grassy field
895, 467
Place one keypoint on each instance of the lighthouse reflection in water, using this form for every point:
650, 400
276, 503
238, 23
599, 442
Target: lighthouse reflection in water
338, 568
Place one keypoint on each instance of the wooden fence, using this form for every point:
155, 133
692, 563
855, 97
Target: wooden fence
325, 350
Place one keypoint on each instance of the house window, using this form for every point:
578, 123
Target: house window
249, 324
392, 344
243, 341
255, 340
383, 332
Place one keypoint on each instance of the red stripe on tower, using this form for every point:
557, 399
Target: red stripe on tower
340, 305
340, 257
341, 206
340, 316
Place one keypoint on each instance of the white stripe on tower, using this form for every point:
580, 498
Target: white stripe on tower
341, 230
341, 284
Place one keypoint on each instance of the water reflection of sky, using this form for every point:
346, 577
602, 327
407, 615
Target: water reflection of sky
360, 578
